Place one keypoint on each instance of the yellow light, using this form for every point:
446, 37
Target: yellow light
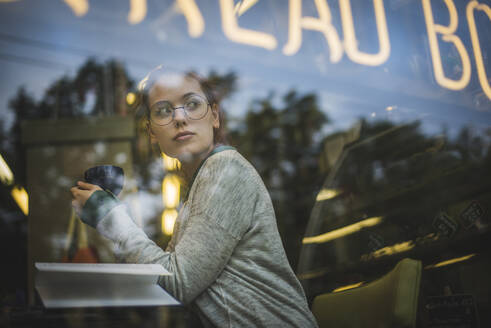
325, 194
170, 191
138, 11
389, 108
143, 83
396, 248
244, 5
6, 175
344, 231
476, 45
340, 289
19, 194
169, 217
447, 36
196, 23
323, 24
448, 262
170, 163
400, 247
312, 274
79, 7
234, 32
350, 41
130, 98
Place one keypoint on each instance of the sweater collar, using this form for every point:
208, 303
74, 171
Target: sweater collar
219, 148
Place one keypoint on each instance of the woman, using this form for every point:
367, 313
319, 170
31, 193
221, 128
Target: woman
226, 256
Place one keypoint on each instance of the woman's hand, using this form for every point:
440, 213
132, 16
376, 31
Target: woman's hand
81, 193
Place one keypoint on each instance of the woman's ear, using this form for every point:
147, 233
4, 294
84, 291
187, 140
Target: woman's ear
216, 116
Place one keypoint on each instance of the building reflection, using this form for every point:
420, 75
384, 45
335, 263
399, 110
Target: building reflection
423, 196
367, 121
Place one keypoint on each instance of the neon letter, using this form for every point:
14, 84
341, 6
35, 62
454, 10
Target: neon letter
79, 7
350, 42
196, 23
447, 36
237, 34
138, 11
321, 24
481, 69
243, 5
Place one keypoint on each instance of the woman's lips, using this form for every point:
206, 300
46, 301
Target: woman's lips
183, 136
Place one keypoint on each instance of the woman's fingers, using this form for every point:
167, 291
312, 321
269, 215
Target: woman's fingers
88, 186
81, 193
80, 196
74, 191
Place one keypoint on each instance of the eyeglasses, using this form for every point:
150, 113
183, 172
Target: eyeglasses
163, 113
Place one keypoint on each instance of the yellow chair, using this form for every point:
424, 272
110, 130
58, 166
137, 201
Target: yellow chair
388, 302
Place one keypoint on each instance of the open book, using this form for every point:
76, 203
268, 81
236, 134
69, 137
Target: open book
68, 285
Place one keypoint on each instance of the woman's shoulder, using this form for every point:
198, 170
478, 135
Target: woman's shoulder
227, 166
229, 160
227, 189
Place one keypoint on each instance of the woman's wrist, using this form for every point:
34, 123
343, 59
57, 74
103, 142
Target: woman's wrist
99, 204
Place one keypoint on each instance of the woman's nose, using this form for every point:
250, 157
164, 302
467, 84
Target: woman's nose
179, 115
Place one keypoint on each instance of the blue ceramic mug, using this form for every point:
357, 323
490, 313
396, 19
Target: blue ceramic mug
108, 177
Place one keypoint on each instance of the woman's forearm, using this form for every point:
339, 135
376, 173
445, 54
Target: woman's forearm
194, 264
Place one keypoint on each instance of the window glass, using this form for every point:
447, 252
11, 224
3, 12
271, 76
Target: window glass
368, 121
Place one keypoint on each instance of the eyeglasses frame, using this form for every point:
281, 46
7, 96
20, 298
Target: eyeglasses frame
185, 113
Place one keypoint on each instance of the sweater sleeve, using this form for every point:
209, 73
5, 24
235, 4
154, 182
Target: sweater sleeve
220, 214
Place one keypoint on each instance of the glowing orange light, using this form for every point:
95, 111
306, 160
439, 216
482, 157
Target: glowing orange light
340, 289
326, 194
19, 194
451, 261
344, 231
169, 217
130, 98
394, 249
170, 191
170, 163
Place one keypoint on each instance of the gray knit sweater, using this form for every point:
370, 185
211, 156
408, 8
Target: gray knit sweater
226, 256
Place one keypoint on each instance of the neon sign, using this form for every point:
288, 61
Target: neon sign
231, 11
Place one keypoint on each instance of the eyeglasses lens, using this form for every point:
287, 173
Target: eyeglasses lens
195, 108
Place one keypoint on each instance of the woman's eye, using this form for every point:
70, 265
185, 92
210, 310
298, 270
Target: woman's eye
163, 111
192, 105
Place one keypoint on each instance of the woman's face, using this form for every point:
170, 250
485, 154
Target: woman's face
182, 138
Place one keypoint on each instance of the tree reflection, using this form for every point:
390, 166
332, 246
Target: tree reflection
432, 191
406, 175
280, 140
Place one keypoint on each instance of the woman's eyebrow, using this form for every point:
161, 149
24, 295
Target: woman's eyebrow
184, 96
189, 94
160, 102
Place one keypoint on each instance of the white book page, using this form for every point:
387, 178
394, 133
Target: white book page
66, 285
114, 268
81, 296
